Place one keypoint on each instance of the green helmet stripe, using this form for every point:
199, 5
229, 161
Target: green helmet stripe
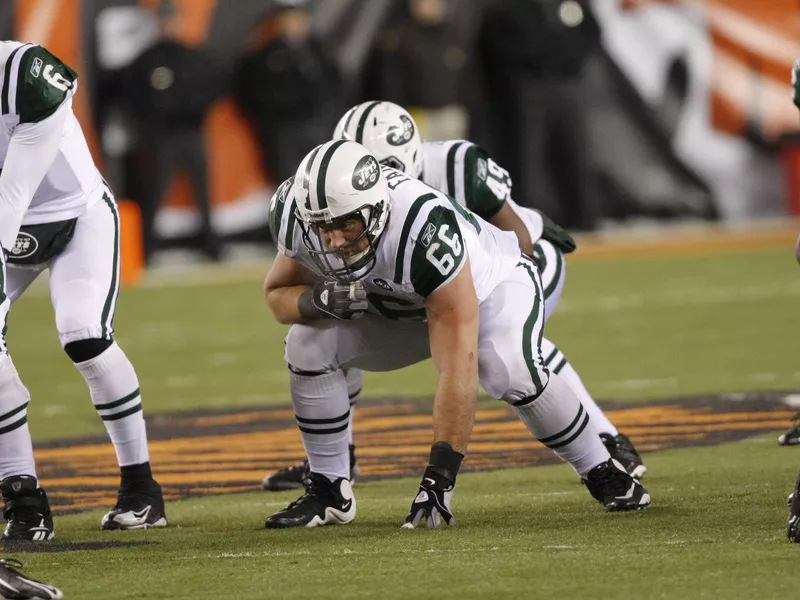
350, 113
323, 172
363, 121
307, 176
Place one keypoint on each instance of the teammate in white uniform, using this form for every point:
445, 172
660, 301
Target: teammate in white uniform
57, 213
378, 271
464, 171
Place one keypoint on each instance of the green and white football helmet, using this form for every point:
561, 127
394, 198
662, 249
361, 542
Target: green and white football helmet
337, 181
388, 131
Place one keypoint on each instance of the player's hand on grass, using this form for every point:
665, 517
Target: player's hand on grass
431, 506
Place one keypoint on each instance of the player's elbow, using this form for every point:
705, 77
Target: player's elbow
275, 303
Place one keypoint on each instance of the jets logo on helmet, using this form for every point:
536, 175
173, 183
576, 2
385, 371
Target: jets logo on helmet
389, 133
401, 135
337, 182
366, 173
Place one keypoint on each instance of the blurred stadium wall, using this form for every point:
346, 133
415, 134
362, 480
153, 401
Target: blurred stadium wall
690, 100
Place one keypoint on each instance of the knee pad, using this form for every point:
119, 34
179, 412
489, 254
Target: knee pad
312, 348
83, 350
304, 373
509, 376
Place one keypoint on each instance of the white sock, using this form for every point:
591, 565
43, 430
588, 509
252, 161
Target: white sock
114, 388
355, 383
558, 420
16, 449
555, 360
322, 410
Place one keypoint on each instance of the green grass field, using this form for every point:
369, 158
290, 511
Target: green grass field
635, 329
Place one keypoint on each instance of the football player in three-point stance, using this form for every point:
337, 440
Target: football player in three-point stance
793, 435
377, 271
57, 213
467, 174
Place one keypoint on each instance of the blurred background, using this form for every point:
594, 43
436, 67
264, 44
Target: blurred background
605, 112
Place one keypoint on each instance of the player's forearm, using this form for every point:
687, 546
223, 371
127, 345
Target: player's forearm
508, 220
284, 303
31, 152
531, 222
455, 403
454, 347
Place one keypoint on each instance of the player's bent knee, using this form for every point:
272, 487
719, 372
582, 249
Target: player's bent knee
13, 394
83, 350
311, 348
511, 379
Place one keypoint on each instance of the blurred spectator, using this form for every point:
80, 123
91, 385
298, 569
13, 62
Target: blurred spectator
169, 89
534, 53
288, 88
423, 58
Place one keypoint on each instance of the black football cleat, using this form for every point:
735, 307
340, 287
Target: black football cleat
16, 586
324, 502
140, 505
287, 478
611, 485
622, 450
27, 511
792, 436
293, 478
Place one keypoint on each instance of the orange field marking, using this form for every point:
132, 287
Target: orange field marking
701, 241
195, 455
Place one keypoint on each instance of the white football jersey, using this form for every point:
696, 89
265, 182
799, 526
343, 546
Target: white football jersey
465, 172
33, 85
424, 245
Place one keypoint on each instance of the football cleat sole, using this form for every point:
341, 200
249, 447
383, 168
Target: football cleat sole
132, 520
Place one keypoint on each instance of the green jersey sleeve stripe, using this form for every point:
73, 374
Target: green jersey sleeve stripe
350, 114
399, 264
323, 173
451, 168
6, 108
275, 216
276, 210
363, 121
469, 180
290, 226
306, 181
462, 175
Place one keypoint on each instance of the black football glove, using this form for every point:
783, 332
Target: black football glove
333, 300
557, 235
432, 503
